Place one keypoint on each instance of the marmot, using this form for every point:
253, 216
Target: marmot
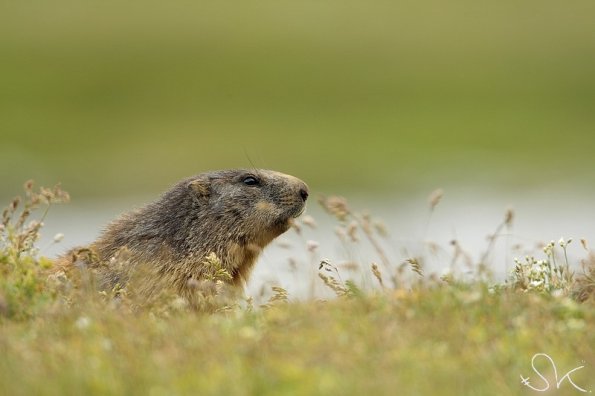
233, 214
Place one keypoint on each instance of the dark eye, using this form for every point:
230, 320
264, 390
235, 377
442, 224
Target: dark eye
251, 181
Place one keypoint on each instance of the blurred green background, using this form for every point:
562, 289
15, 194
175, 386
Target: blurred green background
113, 98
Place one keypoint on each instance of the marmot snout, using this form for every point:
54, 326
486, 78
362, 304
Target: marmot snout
231, 213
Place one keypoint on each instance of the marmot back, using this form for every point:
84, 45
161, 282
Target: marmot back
233, 214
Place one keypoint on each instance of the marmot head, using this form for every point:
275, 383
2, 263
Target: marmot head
252, 205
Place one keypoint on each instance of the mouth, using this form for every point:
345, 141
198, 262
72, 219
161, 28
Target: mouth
299, 212
285, 221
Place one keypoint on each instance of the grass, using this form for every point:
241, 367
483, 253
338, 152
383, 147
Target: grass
413, 333
374, 96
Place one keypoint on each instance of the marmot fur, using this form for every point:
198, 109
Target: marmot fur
232, 214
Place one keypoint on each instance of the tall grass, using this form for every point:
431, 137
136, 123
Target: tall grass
411, 332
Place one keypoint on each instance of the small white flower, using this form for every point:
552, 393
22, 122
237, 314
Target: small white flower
58, 237
82, 323
536, 283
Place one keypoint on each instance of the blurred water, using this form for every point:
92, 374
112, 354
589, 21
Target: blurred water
467, 215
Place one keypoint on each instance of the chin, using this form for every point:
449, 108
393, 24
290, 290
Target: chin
283, 225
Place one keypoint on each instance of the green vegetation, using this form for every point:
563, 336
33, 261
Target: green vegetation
115, 98
412, 334
112, 98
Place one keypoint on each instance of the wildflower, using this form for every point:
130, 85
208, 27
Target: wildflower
535, 283
549, 248
563, 243
82, 322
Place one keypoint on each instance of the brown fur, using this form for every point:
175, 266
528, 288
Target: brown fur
214, 212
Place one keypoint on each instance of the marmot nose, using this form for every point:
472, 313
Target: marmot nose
304, 193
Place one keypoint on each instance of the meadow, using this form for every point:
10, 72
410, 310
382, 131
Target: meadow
374, 100
413, 333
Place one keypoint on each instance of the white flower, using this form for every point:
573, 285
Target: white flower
82, 323
563, 243
536, 283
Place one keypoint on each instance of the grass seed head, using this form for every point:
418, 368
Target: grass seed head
435, 197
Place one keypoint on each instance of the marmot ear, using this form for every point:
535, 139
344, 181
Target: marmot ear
200, 187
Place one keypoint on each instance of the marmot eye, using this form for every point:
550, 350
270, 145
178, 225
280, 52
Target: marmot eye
251, 181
